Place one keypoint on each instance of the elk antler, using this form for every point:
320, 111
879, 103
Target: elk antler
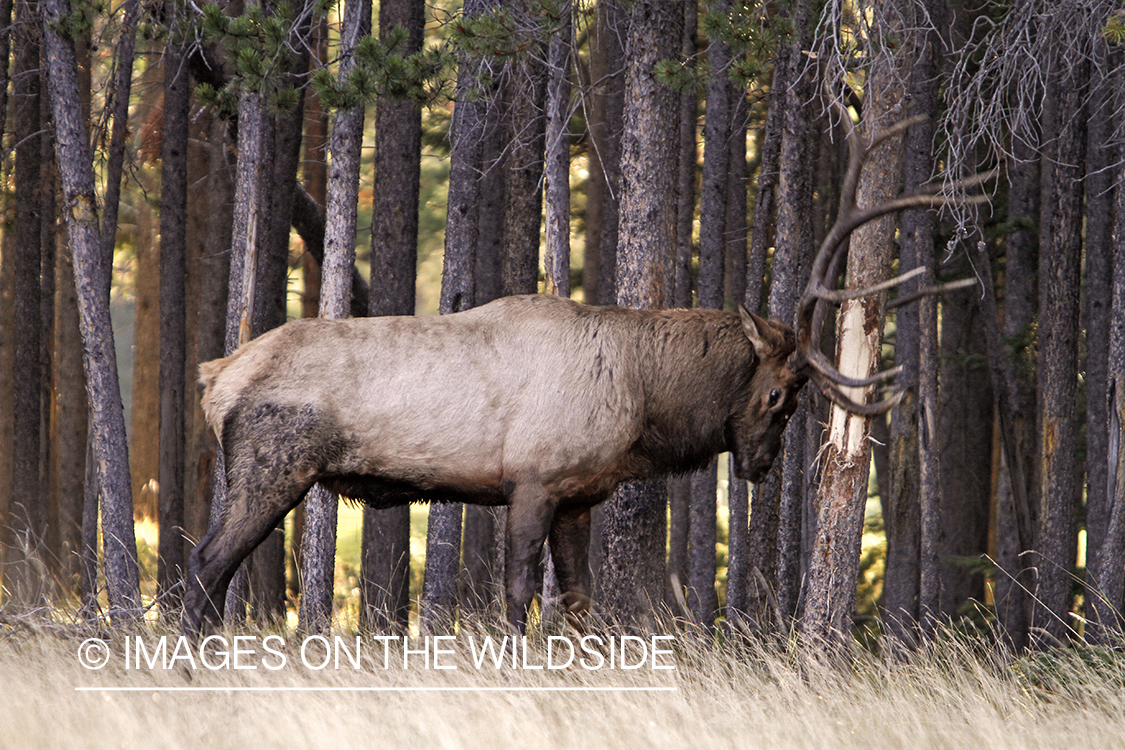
812, 307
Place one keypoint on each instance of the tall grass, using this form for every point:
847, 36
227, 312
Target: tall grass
952, 693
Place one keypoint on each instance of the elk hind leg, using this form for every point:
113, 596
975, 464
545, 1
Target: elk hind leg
273, 455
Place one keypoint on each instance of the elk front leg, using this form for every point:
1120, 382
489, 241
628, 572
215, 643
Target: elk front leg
530, 513
570, 550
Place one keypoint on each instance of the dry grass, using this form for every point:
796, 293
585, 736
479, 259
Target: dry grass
952, 695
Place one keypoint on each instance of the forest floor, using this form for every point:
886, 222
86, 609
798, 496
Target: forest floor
63, 686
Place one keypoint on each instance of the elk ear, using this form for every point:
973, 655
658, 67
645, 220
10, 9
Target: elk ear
757, 330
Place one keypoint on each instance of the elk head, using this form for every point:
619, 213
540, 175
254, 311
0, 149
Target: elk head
774, 387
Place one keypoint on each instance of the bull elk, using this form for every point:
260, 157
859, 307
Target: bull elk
535, 402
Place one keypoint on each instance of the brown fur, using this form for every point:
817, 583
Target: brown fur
536, 402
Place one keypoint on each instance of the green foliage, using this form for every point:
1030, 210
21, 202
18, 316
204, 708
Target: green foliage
503, 33
81, 18
259, 45
752, 36
223, 100
678, 76
382, 70
1114, 29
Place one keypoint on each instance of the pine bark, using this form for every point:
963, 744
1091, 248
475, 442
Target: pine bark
679, 488
92, 277
746, 541
26, 524
964, 443
385, 591
686, 170
1013, 381
525, 100
267, 562
557, 170
1107, 565
319, 544
902, 493
632, 569
209, 320
842, 496
467, 134
606, 136
777, 549
248, 224
1059, 294
173, 250
68, 425
1099, 304
702, 598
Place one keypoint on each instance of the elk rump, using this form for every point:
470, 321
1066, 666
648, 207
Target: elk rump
535, 402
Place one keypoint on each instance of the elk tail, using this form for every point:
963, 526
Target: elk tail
216, 402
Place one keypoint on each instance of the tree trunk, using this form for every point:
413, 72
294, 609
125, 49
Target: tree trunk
737, 238
68, 424
779, 554
679, 488
247, 224
1013, 382
6, 7
712, 258
915, 330
1059, 274
606, 134
1107, 566
210, 319
65, 403
26, 523
118, 101
557, 177
746, 542
632, 569
92, 277
385, 589
964, 442
173, 244
144, 426
685, 180
482, 542
524, 96
467, 132
144, 430
1099, 304
483, 547
319, 543
841, 499
765, 198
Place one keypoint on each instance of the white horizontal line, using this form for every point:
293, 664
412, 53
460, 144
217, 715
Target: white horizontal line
445, 689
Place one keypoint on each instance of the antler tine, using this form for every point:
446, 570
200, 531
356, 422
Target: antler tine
821, 311
837, 397
820, 365
930, 291
836, 296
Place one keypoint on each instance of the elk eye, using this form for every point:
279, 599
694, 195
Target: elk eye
774, 396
